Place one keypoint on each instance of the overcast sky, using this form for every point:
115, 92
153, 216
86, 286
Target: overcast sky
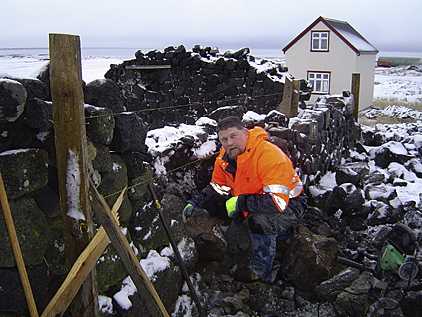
390, 25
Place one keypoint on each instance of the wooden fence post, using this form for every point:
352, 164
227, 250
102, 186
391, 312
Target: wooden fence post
286, 104
71, 150
355, 92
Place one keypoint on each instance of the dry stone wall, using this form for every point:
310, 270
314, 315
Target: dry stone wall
212, 84
194, 83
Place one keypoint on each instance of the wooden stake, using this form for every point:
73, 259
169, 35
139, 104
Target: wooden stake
143, 285
17, 250
355, 92
71, 150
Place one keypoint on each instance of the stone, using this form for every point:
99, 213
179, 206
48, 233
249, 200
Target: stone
12, 296
351, 173
38, 114
34, 87
129, 133
112, 183
23, 171
391, 152
310, 259
48, 201
207, 234
31, 229
12, 102
104, 93
148, 225
100, 124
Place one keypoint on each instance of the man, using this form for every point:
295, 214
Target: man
259, 186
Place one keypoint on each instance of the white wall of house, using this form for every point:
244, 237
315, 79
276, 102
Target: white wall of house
340, 61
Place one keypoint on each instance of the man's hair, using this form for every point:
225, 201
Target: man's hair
230, 122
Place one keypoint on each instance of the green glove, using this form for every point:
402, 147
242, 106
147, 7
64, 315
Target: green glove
188, 210
231, 206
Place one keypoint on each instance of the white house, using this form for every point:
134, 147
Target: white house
327, 53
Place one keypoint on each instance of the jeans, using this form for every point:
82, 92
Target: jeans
263, 253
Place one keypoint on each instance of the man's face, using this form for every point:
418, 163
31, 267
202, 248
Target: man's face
233, 141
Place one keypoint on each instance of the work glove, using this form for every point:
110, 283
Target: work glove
187, 212
231, 206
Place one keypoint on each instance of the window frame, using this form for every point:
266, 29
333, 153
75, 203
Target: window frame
328, 81
319, 49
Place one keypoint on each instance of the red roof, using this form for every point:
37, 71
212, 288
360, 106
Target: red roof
344, 31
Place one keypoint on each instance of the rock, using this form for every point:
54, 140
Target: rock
31, 229
207, 234
102, 161
328, 290
148, 225
355, 305
12, 101
310, 259
48, 201
104, 93
38, 114
335, 201
110, 268
351, 173
112, 183
139, 185
129, 133
23, 171
391, 152
100, 124
12, 297
414, 165
222, 112
34, 87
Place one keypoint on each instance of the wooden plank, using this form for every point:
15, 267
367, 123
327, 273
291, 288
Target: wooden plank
17, 251
355, 92
70, 136
145, 289
80, 270
285, 106
140, 67
294, 110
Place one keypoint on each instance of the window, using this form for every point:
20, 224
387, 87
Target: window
320, 82
319, 41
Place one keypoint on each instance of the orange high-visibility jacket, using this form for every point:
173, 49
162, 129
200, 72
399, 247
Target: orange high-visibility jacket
262, 169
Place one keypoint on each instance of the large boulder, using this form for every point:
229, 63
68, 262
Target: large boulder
12, 100
310, 259
207, 234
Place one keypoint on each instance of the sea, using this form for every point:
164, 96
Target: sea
27, 62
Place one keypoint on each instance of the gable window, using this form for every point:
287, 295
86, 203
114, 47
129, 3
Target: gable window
320, 41
320, 82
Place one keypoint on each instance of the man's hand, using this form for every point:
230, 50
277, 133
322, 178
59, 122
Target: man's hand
231, 206
188, 210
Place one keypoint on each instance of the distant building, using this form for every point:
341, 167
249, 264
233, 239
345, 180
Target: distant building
327, 53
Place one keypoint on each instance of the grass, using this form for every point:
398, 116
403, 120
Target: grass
382, 103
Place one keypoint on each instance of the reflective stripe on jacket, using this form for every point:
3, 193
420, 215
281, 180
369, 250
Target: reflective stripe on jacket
262, 169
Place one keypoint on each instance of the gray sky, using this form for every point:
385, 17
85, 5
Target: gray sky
390, 25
